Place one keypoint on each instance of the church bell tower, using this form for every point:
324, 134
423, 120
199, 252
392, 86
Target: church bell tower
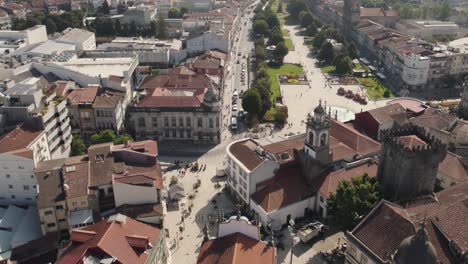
317, 143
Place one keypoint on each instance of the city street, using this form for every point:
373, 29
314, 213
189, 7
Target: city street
300, 99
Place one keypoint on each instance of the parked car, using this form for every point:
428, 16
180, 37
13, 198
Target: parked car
234, 107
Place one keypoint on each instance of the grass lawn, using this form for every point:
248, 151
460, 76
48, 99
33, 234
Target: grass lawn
359, 66
328, 69
374, 88
288, 43
284, 69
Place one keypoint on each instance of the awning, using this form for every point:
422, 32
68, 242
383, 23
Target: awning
364, 60
381, 76
372, 68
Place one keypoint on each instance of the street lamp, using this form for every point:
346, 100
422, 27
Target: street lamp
294, 238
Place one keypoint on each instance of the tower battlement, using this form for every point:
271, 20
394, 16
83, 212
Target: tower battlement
391, 138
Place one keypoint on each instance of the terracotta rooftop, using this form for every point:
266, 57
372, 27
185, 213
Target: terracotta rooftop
141, 210
76, 178
84, 95
353, 139
284, 150
105, 101
454, 167
383, 229
244, 151
376, 12
111, 239
389, 113
434, 119
18, 138
411, 141
145, 146
236, 248
287, 187
329, 183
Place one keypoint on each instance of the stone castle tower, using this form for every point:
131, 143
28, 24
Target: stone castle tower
407, 173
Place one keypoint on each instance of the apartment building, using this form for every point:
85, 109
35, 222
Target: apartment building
25, 102
180, 105
82, 39
75, 191
20, 151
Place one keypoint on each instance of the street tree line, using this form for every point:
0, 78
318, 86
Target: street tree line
257, 100
176, 13
104, 26
53, 22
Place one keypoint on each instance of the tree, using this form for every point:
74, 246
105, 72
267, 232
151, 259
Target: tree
260, 26
281, 114
342, 64
251, 102
295, 7
153, 28
276, 36
353, 200
133, 28
122, 139
319, 39
162, 28
103, 136
352, 51
280, 7
78, 147
326, 53
445, 11
51, 27
280, 51
306, 19
183, 10
173, 13
260, 53
118, 27
311, 30
104, 8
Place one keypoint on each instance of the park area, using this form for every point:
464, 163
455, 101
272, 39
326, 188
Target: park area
375, 89
273, 72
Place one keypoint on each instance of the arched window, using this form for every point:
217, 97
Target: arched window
311, 138
323, 139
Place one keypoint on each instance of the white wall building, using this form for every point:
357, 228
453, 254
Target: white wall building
427, 28
208, 40
82, 39
415, 69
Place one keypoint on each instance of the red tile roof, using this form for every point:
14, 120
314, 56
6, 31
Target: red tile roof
411, 141
389, 113
76, 178
244, 152
236, 248
144, 146
287, 187
453, 167
110, 239
85, 95
374, 12
353, 139
18, 138
384, 228
329, 183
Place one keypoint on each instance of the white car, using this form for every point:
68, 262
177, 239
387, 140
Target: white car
234, 107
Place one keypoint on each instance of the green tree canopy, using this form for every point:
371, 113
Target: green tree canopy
326, 53
295, 7
122, 139
184, 10
280, 7
50, 26
104, 8
307, 19
251, 102
260, 26
311, 30
352, 50
260, 53
162, 28
276, 36
353, 200
103, 136
281, 114
342, 64
173, 13
78, 147
280, 51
